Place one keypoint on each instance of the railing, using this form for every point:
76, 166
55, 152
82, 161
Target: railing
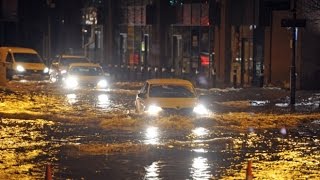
142, 73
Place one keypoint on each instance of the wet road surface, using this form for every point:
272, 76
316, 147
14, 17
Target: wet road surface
89, 150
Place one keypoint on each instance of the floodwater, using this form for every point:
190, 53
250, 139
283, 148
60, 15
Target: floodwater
97, 135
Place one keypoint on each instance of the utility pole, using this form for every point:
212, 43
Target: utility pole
293, 62
293, 23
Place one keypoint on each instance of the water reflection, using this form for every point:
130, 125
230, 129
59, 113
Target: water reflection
152, 171
200, 150
23, 142
200, 168
259, 103
103, 101
72, 98
152, 135
200, 132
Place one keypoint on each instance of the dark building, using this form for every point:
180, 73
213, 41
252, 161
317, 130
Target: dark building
8, 22
51, 27
241, 40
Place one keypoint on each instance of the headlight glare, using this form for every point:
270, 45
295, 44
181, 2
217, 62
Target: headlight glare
63, 71
71, 82
20, 68
102, 84
201, 110
46, 70
153, 110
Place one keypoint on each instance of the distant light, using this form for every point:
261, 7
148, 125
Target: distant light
253, 26
283, 131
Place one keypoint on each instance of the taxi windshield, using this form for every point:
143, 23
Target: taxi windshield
68, 61
86, 71
171, 91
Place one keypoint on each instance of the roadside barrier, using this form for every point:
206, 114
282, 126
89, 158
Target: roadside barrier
121, 72
48, 172
140, 72
249, 175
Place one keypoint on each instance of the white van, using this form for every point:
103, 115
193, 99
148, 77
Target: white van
23, 63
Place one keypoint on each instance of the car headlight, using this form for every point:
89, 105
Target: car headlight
20, 68
63, 71
102, 84
153, 110
46, 70
201, 110
71, 82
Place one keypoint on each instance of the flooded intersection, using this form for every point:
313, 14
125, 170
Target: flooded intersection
106, 140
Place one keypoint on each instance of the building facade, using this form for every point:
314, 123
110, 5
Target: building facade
233, 42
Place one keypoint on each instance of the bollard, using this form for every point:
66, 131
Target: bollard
163, 72
48, 175
183, 73
249, 175
141, 73
135, 73
3, 76
149, 75
121, 75
172, 72
116, 72
128, 78
156, 72
235, 78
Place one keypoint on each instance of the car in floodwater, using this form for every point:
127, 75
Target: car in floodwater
173, 96
23, 63
85, 75
60, 65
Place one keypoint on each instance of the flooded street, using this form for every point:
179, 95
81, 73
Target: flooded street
98, 135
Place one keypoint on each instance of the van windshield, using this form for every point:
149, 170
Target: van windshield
27, 58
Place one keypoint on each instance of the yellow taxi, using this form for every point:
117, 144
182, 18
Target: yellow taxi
158, 96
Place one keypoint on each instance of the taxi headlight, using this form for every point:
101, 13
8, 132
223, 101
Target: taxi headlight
71, 82
201, 110
20, 68
153, 110
102, 84
46, 70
